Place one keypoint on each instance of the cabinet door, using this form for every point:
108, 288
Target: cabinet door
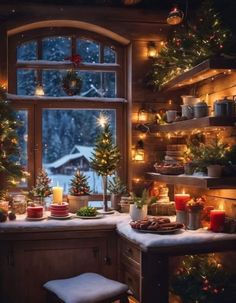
36, 262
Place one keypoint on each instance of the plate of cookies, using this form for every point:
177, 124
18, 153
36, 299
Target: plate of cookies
156, 226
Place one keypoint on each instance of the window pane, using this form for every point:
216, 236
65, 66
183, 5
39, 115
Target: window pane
22, 132
88, 50
95, 84
68, 140
26, 81
27, 51
56, 48
52, 83
109, 55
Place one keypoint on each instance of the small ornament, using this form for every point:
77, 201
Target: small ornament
175, 16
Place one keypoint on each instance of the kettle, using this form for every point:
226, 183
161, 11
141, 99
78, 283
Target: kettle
200, 109
224, 108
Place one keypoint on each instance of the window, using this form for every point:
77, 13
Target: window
59, 131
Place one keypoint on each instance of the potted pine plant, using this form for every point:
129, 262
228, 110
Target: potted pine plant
138, 210
116, 188
79, 192
213, 157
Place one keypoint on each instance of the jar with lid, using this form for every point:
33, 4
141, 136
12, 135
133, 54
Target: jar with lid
201, 109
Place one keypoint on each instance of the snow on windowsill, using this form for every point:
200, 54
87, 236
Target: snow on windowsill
63, 63
62, 98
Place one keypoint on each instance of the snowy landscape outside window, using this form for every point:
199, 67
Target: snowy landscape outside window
58, 132
100, 80
68, 141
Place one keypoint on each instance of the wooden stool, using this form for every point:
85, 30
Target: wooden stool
86, 288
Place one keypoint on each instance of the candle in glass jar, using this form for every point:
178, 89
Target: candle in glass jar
181, 201
217, 220
57, 193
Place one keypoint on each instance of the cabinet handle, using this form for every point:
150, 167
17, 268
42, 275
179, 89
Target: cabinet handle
10, 258
107, 260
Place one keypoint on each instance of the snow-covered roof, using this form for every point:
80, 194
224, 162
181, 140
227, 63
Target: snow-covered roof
81, 151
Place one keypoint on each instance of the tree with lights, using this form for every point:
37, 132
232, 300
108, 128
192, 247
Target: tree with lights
79, 185
105, 156
10, 169
42, 188
188, 45
201, 278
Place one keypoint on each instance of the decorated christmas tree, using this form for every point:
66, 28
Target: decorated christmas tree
10, 169
42, 188
201, 278
189, 44
79, 185
105, 157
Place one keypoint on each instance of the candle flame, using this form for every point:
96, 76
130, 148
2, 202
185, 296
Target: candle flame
221, 206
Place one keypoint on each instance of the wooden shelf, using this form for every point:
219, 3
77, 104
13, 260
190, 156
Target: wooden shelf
194, 123
196, 181
207, 69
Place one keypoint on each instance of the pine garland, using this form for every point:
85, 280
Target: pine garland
188, 45
79, 185
10, 169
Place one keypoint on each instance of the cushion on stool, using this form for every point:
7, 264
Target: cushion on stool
86, 288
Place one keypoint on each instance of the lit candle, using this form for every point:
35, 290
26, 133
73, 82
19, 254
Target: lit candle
217, 220
181, 201
57, 193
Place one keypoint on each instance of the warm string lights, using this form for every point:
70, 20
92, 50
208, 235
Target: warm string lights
189, 45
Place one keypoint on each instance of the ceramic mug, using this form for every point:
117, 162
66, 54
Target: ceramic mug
171, 115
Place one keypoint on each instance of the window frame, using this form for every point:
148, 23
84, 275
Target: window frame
35, 105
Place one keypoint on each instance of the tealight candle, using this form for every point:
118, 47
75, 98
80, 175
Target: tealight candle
217, 220
57, 193
181, 201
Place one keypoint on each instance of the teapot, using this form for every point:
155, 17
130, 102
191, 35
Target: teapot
201, 109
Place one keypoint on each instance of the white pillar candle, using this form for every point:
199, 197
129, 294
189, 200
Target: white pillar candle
57, 193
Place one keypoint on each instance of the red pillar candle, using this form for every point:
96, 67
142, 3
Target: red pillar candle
181, 201
217, 220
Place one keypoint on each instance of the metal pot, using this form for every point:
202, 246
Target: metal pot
187, 111
200, 109
190, 100
224, 108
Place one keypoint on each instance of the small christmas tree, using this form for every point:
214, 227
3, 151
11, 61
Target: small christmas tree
42, 188
105, 158
79, 185
10, 169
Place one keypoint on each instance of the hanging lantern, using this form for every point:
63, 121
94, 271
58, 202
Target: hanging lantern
142, 115
175, 16
152, 50
138, 151
39, 90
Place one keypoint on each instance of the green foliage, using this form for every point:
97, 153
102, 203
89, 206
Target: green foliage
230, 155
79, 185
10, 169
42, 188
140, 201
212, 153
106, 155
200, 278
116, 186
188, 45
87, 211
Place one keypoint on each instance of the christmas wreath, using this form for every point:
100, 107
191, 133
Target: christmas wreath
72, 83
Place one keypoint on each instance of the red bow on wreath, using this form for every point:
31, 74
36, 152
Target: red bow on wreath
75, 59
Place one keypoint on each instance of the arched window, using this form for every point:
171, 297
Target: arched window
58, 130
